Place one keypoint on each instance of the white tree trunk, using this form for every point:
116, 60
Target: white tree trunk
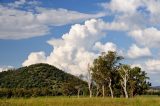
103, 92
90, 91
78, 93
124, 86
124, 81
110, 87
97, 91
89, 81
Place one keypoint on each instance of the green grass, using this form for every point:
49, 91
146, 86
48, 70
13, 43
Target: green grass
84, 101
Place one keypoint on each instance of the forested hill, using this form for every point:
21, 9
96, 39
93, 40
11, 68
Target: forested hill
40, 76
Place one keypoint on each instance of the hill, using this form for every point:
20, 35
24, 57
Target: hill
42, 79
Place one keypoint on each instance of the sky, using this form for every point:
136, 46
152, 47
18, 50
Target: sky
70, 34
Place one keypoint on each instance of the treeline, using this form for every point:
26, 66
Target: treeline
112, 78
107, 76
157, 93
21, 92
153, 91
35, 92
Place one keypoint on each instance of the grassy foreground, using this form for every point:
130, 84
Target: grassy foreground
65, 101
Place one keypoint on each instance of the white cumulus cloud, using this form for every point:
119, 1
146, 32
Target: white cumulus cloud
16, 23
153, 66
5, 68
125, 6
75, 49
137, 52
109, 46
35, 57
134, 13
149, 37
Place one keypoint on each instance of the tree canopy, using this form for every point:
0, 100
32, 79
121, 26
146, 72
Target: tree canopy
40, 77
116, 79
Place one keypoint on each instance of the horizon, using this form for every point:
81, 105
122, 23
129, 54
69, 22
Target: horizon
65, 33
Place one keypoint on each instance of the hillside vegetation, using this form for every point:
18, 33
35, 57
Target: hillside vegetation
38, 80
107, 76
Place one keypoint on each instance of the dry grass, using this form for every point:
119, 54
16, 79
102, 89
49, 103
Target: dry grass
73, 101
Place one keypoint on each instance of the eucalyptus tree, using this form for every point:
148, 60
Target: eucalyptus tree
103, 68
138, 82
124, 74
134, 81
98, 73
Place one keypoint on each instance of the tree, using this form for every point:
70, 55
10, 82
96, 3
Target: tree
89, 80
133, 80
124, 73
78, 87
98, 70
137, 83
103, 68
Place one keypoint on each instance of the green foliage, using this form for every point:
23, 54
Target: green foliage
104, 69
46, 80
38, 80
137, 82
107, 66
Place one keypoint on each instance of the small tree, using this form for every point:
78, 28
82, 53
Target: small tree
124, 73
98, 71
133, 80
103, 68
137, 83
78, 87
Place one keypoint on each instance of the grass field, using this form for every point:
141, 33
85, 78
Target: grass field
66, 101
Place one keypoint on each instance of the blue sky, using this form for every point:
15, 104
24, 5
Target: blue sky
64, 33
19, 49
